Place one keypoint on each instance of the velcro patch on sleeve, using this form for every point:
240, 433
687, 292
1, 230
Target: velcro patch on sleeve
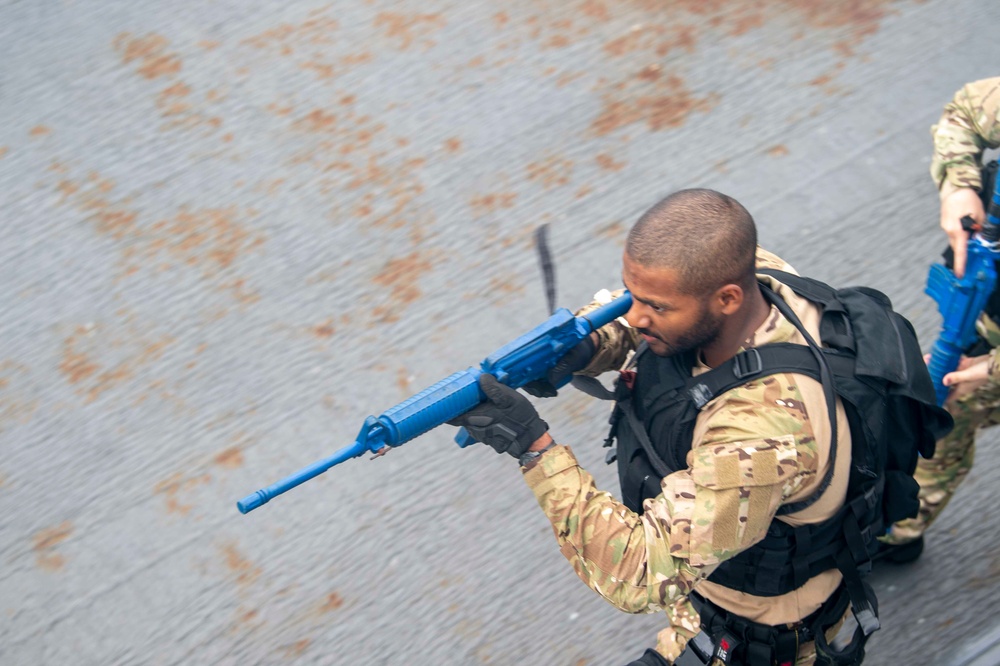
763, 462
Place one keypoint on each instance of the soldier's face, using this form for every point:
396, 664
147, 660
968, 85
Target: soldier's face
670, 321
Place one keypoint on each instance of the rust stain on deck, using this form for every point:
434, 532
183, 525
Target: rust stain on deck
123, 359
484, 204
245, 571
333, 602
405, 29
662, 104
650, 89
296, 649
177, 107
149, 54
175, 490
403, 380
316, 31
39, 130
45, 542
550, 172
608, 163
779, 150
210, 239
231, 458
399, 277
323, 330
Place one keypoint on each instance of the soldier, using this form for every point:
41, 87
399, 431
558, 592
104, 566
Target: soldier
757, 483
970, 123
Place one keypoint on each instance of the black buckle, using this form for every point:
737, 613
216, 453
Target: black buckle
744, 362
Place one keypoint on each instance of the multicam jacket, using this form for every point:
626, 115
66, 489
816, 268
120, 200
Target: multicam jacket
756, 447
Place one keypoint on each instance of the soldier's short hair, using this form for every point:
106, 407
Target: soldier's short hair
709, 238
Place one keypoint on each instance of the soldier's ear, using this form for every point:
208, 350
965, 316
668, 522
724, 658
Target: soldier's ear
729, 298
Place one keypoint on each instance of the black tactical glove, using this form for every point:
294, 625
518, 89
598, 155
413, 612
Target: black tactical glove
575, 359
507, 421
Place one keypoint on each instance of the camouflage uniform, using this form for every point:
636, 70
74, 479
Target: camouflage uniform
970, 123
754, 448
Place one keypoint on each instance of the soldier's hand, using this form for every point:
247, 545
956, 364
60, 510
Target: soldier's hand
954, 207
970, 375
507, 421
577, 358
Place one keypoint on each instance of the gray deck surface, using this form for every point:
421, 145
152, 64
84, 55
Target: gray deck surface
232, 230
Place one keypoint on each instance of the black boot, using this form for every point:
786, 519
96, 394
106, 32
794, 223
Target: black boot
902, 553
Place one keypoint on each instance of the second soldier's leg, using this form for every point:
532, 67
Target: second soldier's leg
941, 475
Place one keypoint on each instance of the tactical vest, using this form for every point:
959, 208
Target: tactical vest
871, 359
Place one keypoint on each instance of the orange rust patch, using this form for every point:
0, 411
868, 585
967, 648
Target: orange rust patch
596, 10
614, 230
403, 380
210, 238
485, 204
231, 458
45, 542
400, 277
287, 36
584, 191
505, 287
246, 572
39, 130
297, 648
3, 151
607, 162
407, 28
333, 602
330, 70
453, 145
779, 150
324, 330
175, 487
551, 172
150, 52
80, 368
665, 104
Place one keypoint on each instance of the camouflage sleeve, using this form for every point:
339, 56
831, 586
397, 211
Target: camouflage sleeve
614, 340
994, 366
970, 123
758, 451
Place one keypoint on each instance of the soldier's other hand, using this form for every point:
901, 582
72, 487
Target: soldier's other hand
506, 421
970, 375
576, 359
955, 206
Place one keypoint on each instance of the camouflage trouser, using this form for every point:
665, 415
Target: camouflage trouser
941, 475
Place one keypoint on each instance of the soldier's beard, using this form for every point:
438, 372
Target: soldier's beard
703, 332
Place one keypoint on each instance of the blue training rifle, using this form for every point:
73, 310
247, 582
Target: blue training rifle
526, 359
961, 300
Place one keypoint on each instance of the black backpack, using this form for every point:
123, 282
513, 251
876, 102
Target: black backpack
879, 373
869, 356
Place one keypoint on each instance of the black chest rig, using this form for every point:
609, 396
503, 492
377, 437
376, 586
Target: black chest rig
654, 421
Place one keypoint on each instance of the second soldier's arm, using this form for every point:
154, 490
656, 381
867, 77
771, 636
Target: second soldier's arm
969, 124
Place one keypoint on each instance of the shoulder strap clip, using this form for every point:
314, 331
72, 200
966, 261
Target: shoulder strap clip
747, 363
